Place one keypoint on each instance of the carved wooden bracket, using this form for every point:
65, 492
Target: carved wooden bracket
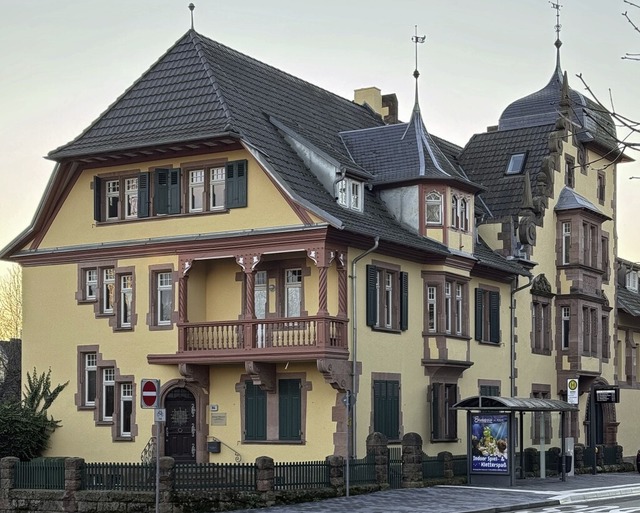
198, 374
336, 372
262, 374
248, 262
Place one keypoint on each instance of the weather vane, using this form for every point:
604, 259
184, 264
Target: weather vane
417, 39
191, 8
557, 7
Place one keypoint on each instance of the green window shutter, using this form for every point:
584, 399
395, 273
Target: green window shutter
494, 317
372, 303
386, 408
435, 411
479, 313
97, 199
161, 191
173, 192
255, 412
236, 184
289, 409
143, 195
404, 301
451, 392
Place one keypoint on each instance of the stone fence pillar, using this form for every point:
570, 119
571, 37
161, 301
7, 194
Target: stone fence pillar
8, 473
447, 458
336, 471
265, 474
166, 485
412, 461
378, 449
73, 474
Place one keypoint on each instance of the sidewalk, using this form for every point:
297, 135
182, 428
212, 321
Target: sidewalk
526, 494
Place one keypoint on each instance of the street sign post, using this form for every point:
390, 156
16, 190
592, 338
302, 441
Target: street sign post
572, 391
150, 398
150, 393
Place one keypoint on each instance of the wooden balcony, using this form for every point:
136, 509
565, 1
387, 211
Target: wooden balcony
262, 340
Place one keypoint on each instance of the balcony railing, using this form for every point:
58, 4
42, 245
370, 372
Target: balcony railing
299, 335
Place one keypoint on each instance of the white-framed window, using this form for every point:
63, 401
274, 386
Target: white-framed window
447, 307
90, 371
565, 313
126, 300
458, 309
216, 188
108, 392
108, 289
455, 213
350, 194
464, 215
112, 196
293, 292
126, 408
432, 310
131, 197
566, 242
164, 283
632, 280
90, 283
196, 190
387, 297
388, 300
433, 208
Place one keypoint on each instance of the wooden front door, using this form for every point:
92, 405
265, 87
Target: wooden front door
180, 430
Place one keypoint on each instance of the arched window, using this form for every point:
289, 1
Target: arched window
464, 215
455, 218
433, 211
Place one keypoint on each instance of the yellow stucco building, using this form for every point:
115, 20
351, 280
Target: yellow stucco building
272, 252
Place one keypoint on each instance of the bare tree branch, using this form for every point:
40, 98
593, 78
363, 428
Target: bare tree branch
11, 304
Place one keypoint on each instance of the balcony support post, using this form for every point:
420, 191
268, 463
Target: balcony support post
248, 264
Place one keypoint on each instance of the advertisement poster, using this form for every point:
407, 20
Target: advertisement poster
489, 443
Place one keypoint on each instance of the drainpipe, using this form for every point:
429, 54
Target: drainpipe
512, 377
354, 340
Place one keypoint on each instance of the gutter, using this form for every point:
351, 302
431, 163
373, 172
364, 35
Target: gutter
354, 340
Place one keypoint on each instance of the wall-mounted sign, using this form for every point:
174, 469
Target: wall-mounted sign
489, 443
572, 391
218, 419
607, 395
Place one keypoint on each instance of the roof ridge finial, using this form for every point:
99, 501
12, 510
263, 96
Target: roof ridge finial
417, 39
558, 43
191, 8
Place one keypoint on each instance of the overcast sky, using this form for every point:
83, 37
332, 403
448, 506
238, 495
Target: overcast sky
63, 62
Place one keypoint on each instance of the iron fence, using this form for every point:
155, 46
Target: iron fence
301, 475
135, 477
40, 474
215, 476
432, 467
362, 471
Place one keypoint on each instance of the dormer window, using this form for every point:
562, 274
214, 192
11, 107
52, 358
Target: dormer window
350, 194
459, 213
516, 163
433, 210
632, 280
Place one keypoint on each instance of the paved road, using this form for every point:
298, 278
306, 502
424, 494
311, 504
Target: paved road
526, 494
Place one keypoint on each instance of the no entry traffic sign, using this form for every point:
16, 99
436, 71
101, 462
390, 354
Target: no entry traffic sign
150, 393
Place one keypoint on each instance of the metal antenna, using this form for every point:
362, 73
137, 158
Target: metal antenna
191, 8
417, 39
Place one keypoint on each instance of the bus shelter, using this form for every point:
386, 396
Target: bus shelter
491, 435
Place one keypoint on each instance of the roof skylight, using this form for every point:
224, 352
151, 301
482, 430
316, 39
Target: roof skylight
516, 163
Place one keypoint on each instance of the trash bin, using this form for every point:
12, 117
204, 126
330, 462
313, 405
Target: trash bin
567, 465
